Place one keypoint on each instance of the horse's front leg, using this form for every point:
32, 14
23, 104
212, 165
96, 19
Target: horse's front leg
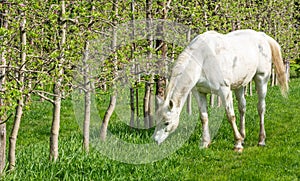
202, 104
226, 96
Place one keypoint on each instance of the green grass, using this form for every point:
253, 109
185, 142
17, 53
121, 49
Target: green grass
279, 160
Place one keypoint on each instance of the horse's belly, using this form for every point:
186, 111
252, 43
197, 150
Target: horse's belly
240, 79
238, 70
240, 83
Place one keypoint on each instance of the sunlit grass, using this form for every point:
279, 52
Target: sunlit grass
278, 160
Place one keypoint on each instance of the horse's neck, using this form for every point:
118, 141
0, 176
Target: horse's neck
181, 82
180, 94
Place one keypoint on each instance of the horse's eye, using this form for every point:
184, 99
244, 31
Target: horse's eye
166, 123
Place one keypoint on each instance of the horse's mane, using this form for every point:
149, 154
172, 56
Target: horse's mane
178, 69
196, 45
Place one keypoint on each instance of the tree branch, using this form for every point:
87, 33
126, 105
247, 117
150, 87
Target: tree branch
6, 119
41, 94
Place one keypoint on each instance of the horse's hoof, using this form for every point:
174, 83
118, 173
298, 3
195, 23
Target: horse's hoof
261, 144
238, 150
204, 145
243, 142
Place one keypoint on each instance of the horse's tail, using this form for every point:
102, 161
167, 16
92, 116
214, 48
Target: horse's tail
279, 65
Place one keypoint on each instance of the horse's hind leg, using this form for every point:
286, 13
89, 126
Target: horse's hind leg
240, 96
226, 96
261, 87
202, 104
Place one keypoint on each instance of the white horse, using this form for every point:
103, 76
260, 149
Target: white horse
217, 63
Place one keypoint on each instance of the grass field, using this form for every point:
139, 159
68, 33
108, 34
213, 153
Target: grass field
279, 160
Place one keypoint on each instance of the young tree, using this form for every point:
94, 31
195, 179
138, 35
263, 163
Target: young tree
57, 88
113, 97
132, 89
87, 98
55, 64
147, 104
4, 26
20, 102
87, 84
161, 48
2, 143
19, 82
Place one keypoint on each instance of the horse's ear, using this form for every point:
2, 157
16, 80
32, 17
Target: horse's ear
171, 105
159, 100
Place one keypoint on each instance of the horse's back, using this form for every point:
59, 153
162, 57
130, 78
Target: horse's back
255, 46
252, 55
236, 56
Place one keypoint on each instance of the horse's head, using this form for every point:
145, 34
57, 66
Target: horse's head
167, 117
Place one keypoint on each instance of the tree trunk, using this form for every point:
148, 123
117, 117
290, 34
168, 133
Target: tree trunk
88, 86
20, 102
132, 108
146, 105
113, 97
134, 94
55, 125
14, 134
87, 118
3, 24
273, 77
137, 105
160, 87
162, 47
2, 117
57, 90
212, 100
287, 70
2, 145
108, 113
150, 107
87, 99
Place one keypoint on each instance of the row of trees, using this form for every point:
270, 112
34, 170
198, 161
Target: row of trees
44, 42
